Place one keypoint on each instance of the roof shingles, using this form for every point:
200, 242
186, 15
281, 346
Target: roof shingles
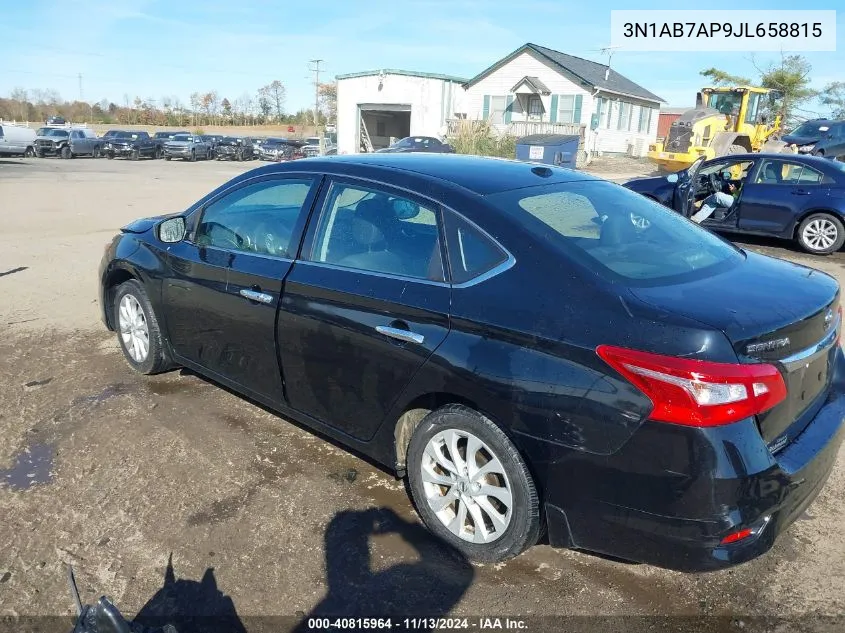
592, 73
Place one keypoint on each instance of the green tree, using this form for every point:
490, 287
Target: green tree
722, 78
790, 77
833, 96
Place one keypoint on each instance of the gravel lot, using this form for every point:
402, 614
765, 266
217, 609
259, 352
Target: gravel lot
138, 469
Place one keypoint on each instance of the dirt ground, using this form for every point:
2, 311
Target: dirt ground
260, 516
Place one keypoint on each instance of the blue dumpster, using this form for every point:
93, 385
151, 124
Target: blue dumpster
551, 149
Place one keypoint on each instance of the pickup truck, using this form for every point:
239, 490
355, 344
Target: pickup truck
187, 147
132, 145
160, 138
68, 143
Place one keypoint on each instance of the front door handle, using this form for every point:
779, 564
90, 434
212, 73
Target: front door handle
256, 295
400, 335
800, 192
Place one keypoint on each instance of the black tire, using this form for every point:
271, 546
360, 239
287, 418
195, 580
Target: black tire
29, 153
110, 155
167, 158
135, 155
156, 360
523, 529
193, 157
95, 152
66, 153
157, 153
239, 156
39, 154
819, 153
824, 223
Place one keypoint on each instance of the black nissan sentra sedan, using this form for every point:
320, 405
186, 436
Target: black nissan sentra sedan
533, 348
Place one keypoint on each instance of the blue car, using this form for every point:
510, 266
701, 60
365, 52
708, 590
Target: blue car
792, 197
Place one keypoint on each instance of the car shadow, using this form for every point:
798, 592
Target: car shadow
428, 587
190, 606
14, 162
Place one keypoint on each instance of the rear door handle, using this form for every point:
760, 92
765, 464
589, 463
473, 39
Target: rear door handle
800, 192
400, 335
256, 295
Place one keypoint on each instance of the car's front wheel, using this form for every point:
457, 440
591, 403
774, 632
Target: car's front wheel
138, 330
821, 234
471, 485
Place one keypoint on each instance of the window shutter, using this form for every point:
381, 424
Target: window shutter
553, 113
576, 115
485, 113
508, 108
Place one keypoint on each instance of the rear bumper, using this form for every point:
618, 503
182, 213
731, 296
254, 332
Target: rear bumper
670, 495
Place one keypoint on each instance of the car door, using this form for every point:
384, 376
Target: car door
776, 194
222, 297
365, 305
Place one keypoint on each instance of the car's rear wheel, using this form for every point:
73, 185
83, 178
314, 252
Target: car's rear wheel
193, 155
66, 153
137, 329
821, 234
157, 153
95, 153
29, 153
135, 155
471, 486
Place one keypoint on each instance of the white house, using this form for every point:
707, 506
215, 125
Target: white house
538, 84
380, 105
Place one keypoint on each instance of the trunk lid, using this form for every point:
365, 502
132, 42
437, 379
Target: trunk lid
771, 311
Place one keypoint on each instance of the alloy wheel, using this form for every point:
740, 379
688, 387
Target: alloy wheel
820, 234
466, 486
134, 330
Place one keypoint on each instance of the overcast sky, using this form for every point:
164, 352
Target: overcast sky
156, 48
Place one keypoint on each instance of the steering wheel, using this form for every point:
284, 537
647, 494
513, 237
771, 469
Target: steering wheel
270, 241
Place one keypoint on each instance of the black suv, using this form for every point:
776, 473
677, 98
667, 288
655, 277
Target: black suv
820, 137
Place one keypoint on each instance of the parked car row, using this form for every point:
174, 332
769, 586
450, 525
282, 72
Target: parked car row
69, 141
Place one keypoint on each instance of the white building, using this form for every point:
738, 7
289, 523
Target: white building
532, 90
392, 104
539, 85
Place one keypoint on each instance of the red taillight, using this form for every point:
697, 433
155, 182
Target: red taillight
737, 536
698, 392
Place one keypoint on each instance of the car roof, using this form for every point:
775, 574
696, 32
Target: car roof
801, 158
481, 175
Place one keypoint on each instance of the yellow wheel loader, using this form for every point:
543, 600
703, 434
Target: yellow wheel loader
724, 121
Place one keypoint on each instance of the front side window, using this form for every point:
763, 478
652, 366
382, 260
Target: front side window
373, 230
258, 218
616, 232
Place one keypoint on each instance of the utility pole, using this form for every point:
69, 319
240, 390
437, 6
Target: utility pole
315, 68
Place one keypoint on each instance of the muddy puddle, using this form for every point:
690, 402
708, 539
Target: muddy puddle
30, 467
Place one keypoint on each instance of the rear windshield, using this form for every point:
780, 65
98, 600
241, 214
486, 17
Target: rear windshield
618, 233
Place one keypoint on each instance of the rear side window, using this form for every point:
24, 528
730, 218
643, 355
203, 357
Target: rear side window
617, 233
471, 252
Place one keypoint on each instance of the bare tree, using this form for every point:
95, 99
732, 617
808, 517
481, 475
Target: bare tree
274, 95
19, 95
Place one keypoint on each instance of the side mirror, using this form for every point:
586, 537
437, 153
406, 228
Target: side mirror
672, 177
172, 230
